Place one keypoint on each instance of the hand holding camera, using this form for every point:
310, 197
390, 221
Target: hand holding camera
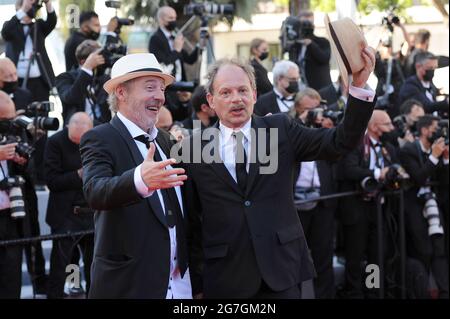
178, 42
94, 60
438, 147
7, 151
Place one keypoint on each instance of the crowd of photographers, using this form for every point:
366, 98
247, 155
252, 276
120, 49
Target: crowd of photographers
405, 148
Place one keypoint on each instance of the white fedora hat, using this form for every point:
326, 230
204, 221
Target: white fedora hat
132, 66
347, 43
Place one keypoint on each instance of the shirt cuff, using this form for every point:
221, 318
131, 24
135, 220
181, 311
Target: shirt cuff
433, 159
20, 14
367, 95
141, 188
90, 72
377, 173
445, 161
113, 34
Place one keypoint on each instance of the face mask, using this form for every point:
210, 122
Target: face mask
264, 56
93, 35
429, 75
293, 87
171, 25
10, 87
389, 137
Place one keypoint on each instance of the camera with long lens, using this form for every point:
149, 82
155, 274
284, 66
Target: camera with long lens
312, 117
23, 149
38, 122
396, 177
13, 186
442, 131
431, 214
208, 8
401, 126
111, 53
294, 30
120, 21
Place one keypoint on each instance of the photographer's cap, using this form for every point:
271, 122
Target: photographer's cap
136, 65
347, 43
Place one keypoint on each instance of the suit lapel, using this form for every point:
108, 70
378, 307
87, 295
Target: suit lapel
153, 200
257, 123
274, 105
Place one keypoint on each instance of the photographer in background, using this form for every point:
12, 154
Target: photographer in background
201, 110
420, 45
421, 87
89, 30
405, 124
10, 85
286, 79
19, 36
81, 89
67, 209
305, 101
367, 164
426, 203
167, 45
12, 224
312, 54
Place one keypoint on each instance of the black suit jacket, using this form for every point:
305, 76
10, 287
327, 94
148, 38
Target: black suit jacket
22, 98
132, 243
239, 238
267, 103
413, 89
160, 47
263, 84
61, 161
317, 62
355, 167
13, 34
72, 89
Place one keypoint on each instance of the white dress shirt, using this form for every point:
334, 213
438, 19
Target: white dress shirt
309, 175
178, 288
178, 70
227, 146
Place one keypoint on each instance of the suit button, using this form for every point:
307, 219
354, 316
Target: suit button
247, 203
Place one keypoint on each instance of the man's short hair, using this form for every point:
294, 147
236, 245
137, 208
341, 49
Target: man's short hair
422, 36
85, 48
215, 67
309, 92
198, 98
425, 121
422, 57
281, 68
408, 105
86, 16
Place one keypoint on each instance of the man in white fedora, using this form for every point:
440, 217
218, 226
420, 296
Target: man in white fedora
140, 243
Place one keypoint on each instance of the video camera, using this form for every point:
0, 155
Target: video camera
120, 21
294, 30
208, 8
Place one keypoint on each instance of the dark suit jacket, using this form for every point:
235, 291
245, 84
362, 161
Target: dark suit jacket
267, 103
13, 34
132, 243
355, 167
239, 238
160, 47
263, 84
413, 89
61, 161
317, 62
72, 89
22, 98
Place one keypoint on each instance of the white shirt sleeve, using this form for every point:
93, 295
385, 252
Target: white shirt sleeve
433, 159
377, 173
445, 161
141, 188
90, 72
20, 14
362, 94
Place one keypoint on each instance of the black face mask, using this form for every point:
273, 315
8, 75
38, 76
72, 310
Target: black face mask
171, 25
10, 87
429, 75
293, 87
264, 56
93, 35
389, 137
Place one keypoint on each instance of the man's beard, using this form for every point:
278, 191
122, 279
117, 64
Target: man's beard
140, 118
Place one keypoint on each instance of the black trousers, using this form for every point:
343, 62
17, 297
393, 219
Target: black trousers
10, 258
265, 292
61, 256
318, 225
